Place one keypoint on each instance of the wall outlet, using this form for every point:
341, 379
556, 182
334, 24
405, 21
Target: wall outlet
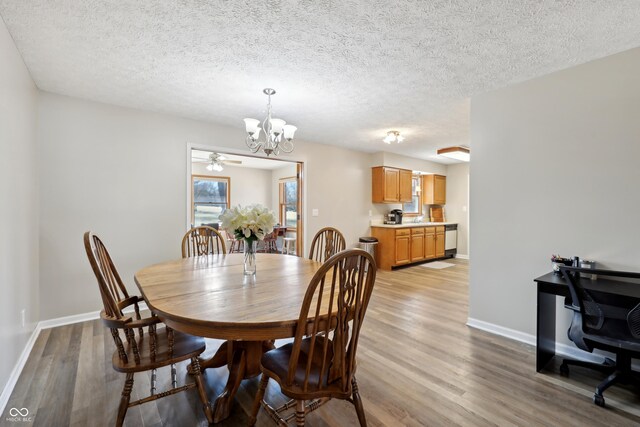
23, 316
370, 214
314, 212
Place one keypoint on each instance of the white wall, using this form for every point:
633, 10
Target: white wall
18, 205
248, 185
118, 172
555, 171
404, 162
456, 209
122, 173
338, 184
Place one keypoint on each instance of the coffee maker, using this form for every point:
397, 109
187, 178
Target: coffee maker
394, 217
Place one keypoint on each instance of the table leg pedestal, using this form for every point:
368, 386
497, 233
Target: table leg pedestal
243, 361
237, 370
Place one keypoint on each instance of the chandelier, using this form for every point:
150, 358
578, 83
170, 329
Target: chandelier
393, 136
278, 135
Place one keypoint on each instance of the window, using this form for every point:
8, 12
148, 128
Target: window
289, 202
209, 198
415, 207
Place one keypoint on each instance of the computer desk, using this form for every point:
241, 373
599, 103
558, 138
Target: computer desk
551, 286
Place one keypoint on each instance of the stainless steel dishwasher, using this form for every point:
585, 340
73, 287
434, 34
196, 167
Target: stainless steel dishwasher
450, 240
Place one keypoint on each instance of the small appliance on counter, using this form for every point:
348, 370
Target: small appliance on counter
394, 217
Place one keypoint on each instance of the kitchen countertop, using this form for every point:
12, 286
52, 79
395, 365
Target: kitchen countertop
411, 224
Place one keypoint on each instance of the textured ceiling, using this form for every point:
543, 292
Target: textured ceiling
346, 71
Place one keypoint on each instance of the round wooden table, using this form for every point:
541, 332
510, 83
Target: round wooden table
209, 296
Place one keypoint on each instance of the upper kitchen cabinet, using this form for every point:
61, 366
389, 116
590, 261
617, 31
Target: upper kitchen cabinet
434, 189
391, 185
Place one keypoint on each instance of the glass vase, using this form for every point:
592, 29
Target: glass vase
250, 247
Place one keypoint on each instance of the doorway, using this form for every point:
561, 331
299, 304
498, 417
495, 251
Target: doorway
218, 180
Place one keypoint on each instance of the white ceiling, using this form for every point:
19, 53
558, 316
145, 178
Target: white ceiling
345, 71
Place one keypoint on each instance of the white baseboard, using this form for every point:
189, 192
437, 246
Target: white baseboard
561, 349
502, 331
46, 324
68, 320
17, 369
462, 256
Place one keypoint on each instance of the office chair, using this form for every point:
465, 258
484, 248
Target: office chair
606, 322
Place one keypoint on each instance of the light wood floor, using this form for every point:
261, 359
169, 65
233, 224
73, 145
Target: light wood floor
419, 365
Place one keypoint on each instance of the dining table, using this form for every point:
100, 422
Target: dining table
210, 296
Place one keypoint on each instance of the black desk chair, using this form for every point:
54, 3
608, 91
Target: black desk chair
606, 323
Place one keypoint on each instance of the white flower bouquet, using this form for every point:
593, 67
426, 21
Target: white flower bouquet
250, 223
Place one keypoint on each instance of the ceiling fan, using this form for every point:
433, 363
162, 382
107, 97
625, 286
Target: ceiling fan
216, 160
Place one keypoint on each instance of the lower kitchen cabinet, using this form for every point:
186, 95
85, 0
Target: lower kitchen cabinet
417, 244
401, 246
430, 243
439, 242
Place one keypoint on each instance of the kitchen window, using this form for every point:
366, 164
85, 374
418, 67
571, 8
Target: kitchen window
210, 197
415, 207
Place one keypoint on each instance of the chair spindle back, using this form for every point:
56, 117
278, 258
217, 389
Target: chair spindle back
203, 240
327, 242
114, 298
337, 296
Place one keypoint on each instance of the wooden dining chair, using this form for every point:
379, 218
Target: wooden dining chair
320, 364
203, 240
269, 243
138, 353
235, 245
325, 243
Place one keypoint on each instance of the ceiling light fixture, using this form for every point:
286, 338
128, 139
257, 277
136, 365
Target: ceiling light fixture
456, 153
393, 136
278, 135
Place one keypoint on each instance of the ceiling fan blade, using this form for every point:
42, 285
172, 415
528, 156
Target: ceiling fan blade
232, 162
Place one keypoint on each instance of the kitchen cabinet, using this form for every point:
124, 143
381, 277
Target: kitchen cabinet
417, 244
404, 189
434, 189
439, 242
430, 243
390, 185
401, 246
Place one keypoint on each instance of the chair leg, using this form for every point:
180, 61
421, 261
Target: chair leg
124, 400
300, 410
607, 367
256, 402
154, 380
357, 402
197, 375
611, 380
